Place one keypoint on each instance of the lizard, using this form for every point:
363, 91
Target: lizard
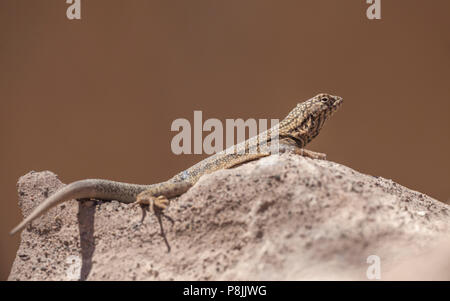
293, 133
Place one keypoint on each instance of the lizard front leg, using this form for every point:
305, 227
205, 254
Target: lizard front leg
310, 154
288, 145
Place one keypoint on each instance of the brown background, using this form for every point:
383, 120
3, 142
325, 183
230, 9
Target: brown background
96, 97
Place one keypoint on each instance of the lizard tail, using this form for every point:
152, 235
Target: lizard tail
91, 188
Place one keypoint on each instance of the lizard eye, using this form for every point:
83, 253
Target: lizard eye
324, 99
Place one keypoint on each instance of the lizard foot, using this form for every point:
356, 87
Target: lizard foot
310, 154
157, 204
146, 199
148, 202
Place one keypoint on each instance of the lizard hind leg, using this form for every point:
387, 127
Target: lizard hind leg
147, 200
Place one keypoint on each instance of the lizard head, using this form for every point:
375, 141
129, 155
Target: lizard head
320, 106
305, 121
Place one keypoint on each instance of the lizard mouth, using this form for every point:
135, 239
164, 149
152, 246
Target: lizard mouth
338, 101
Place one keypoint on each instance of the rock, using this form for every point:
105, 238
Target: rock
278, 218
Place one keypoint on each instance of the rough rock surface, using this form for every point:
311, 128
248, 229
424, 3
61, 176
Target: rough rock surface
278, 218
